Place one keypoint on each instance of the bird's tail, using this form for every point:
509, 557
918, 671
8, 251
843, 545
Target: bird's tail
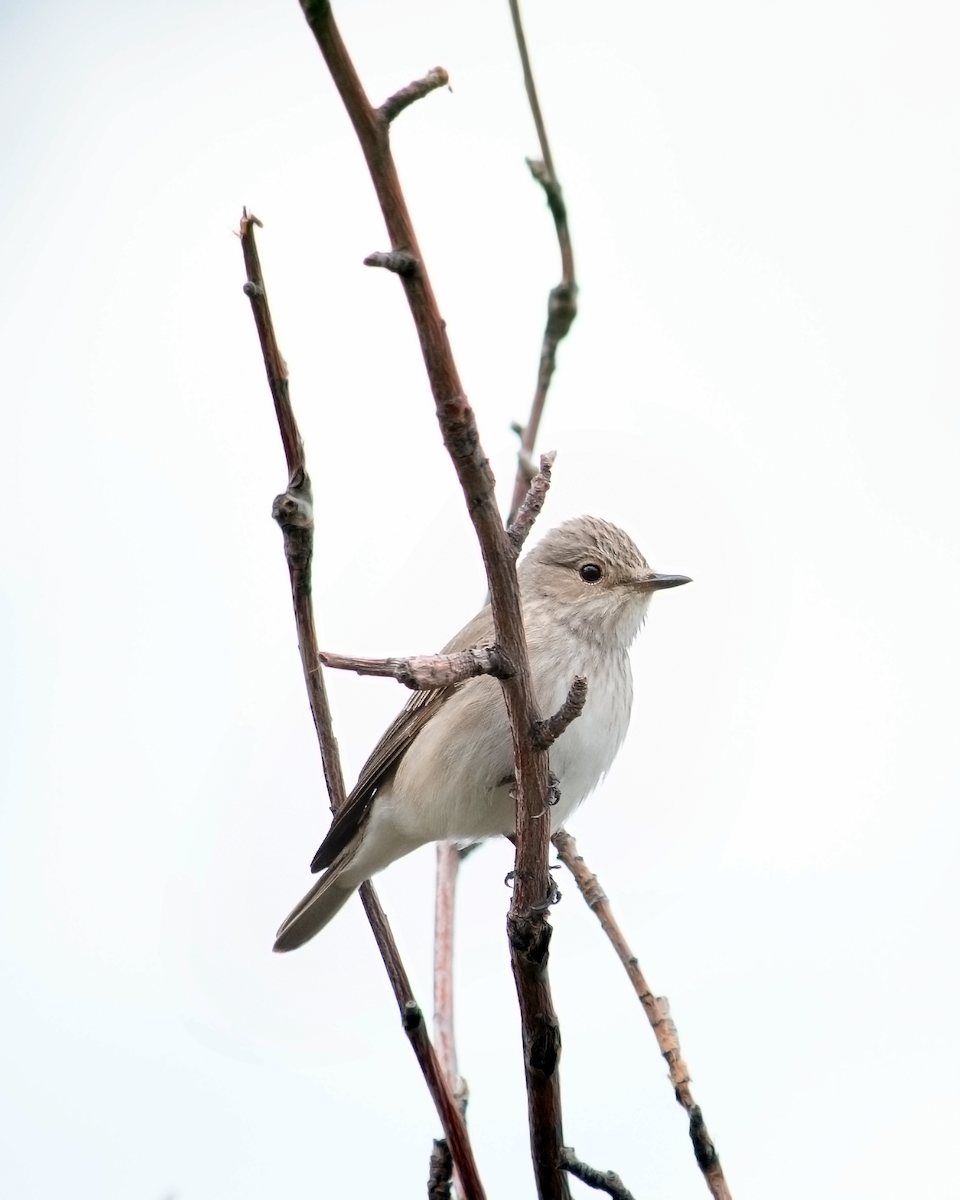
320, 905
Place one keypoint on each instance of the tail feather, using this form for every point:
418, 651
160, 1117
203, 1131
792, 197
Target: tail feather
320, 905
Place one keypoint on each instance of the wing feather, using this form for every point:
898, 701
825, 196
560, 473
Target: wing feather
390, 749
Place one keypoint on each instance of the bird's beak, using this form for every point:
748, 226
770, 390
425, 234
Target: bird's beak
654, 582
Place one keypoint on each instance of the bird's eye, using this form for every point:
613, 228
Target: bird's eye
590, 573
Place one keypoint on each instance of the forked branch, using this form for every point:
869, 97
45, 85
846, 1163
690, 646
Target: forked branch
294, 512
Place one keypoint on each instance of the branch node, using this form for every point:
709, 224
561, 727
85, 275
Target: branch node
546, 732
252, 289
529, 936
541, 173
401, 262
703, 1148
411, 1016
392, 107
293, 512
441, 1171
561, 311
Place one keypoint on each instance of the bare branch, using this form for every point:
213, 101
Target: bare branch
441, 1172
658, 1014
394, 106
528, 927
562, 302
397, 261
549, 730
424, 672
451, 1118
520, 528
604, 1181
294, 512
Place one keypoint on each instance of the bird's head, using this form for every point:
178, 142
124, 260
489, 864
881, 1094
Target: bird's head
592, 576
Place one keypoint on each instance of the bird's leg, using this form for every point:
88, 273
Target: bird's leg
554, 896
553, 797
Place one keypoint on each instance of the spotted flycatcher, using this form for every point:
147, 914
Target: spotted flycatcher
444, 768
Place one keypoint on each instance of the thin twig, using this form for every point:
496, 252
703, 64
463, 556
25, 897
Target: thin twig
527, 924
604, 1181
423, 672
391, 108
532, 503
294, 512
562, 302
657, 1010
549, 730
448, 864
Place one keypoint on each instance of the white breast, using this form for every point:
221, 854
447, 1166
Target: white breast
455, 780
586, 750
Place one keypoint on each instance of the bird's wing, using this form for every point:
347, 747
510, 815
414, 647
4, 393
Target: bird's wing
390, 749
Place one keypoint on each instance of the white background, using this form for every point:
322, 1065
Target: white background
761, 388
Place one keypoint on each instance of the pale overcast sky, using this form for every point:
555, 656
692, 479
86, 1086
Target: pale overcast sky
761, 388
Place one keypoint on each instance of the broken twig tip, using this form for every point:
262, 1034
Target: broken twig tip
392, 107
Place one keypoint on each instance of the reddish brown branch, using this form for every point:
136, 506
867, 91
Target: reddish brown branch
530, 488
423, 672
562, 302
527, 924
451, 1118
294, 512
604, 1181
657, 1010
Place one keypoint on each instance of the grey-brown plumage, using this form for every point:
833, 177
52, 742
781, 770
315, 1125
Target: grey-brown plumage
444, 767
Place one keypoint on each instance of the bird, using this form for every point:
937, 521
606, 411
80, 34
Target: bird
444, 768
